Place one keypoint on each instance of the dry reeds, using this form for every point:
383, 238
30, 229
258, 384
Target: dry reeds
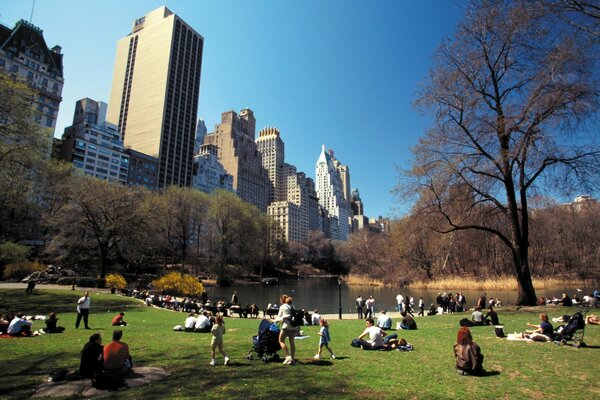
353, 279
498, 283
468, 283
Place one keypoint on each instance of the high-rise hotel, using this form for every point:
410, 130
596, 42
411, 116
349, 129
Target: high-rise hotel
155, 90
333, 180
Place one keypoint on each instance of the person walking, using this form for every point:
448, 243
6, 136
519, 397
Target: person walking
218, 330
421, 307
324, 339
287, 329
83, 310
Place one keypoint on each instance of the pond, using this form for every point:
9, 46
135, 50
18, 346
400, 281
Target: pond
323, 294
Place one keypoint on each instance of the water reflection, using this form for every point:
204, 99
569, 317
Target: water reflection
322, 294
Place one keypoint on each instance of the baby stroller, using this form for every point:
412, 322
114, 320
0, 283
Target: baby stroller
573, 330
266, 342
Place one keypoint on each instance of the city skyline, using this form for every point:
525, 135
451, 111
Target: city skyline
339, 74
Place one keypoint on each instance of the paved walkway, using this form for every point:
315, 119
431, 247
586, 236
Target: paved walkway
394, 315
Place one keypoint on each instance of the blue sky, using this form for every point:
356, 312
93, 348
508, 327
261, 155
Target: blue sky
339, 73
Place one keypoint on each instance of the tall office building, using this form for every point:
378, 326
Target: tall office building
200, 133
155, 90
330, 190
234, 138
270, 145
24, 54
93, 145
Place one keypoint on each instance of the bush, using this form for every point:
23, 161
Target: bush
116, 281
87, 281
13, 253
178, 284
65, 280
21, 270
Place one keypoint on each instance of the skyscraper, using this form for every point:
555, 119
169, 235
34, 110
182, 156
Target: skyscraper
93, 145
330, 190
270, 145
234, 138
155, 90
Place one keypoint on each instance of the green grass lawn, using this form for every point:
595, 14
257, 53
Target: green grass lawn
518, 370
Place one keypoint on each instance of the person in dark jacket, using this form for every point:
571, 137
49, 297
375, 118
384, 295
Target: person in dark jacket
51, 324
91, 357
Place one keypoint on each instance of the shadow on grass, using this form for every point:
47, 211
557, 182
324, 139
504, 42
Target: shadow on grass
23, 377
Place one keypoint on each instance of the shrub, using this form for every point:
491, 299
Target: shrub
21, 270
65, 280
178, 284
87, 281
116, 281
13, 253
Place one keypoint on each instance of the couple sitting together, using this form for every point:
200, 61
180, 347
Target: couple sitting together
379, 339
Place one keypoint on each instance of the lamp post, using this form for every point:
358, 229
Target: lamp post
75, 277
340, 280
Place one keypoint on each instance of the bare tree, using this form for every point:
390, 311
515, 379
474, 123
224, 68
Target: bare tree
97, 212
506, 97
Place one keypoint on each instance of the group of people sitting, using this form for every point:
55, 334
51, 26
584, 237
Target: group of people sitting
20, 325
379, 339
478, 319
112, 360
201, 323
385, 322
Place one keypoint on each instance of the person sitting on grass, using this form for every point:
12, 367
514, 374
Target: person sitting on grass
203, 323
190, 322
51, 322
469, 360
384, 321
118, 320
491, 318
117, 360
376, 335
91, 357
19, 326
477, 317
408, 322
544, 331
432, 309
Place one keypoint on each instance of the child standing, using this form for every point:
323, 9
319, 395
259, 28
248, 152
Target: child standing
324, 339
218, 330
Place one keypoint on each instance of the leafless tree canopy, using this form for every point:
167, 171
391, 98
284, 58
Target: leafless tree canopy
510, 96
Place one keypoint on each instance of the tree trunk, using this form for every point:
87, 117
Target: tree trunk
525, 292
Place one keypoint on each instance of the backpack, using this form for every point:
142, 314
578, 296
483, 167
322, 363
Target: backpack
105, 381
57, 375
297, 318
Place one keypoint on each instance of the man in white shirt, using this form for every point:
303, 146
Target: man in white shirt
375, 336
190, 322
203, 323
400, 301
315, 318
83, 310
